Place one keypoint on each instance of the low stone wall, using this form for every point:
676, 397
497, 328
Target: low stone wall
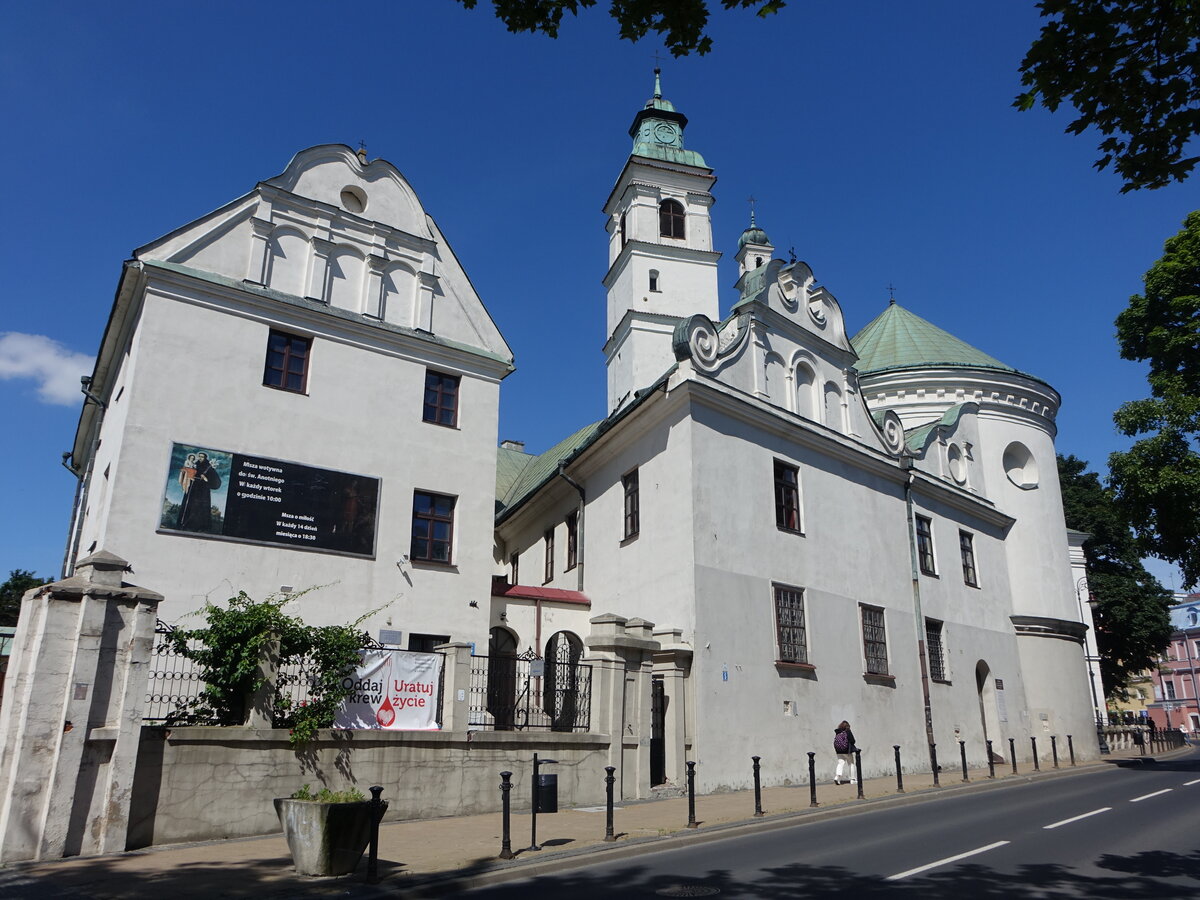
203, 783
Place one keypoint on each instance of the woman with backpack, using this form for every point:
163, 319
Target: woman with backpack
844, 747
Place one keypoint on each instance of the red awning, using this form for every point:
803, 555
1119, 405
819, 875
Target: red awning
502, 588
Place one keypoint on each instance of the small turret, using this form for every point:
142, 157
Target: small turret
754, 247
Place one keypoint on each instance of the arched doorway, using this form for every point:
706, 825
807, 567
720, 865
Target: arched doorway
502, 677
560, 690
989, 718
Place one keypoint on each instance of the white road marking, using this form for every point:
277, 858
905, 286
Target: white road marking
1190, 783
942, 862
1076, 818
1148, 796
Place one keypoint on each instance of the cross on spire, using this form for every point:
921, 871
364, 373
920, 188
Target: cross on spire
891, 294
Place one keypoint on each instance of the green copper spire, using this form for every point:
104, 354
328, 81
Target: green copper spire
657, 130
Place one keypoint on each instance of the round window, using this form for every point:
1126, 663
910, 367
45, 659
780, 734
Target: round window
1020, 466
956, 463
353, 199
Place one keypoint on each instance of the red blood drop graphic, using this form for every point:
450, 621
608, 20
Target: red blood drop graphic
386, 715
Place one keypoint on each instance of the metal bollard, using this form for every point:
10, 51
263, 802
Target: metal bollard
758, 810
1054, 748
991, 761
812, 779
962, 752
933, 764
899, 775
373, 853
691, 779
1071, 749
506, 841
609, 779
858, 771
1012, 753
1033, 743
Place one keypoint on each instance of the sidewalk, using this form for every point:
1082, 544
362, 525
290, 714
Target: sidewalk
444, 855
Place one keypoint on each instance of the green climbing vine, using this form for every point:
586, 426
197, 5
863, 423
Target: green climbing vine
230, 645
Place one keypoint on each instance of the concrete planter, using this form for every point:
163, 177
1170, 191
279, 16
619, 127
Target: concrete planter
325, 838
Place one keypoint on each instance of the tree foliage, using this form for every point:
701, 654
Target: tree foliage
681, 23
11, 592
1157, 481
1130, 69
229, 648
1131, 616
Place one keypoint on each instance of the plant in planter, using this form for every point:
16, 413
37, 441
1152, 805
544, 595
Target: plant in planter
328, 831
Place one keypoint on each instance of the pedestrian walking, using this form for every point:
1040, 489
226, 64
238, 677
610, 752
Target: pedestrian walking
844, 747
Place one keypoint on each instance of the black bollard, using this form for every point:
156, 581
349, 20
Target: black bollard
758, 810
691, 778
1054, 748
933, 764
858, 771
1012, 753
899, 775
812, 779
376, 817
1071, 749
991, 761
506, 842
609, 780
962, 752
1033, 743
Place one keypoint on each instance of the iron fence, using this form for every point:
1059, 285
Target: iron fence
526, 692
174, 683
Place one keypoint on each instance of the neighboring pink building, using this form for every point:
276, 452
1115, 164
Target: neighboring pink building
1177, 700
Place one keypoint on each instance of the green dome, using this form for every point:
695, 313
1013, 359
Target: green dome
899, 339
753, 235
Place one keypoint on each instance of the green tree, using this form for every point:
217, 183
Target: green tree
1131, 615
11, 592
1130, 69
1157, 481
681, 23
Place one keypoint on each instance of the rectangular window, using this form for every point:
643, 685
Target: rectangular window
432, 527
1169, 687
441, 399
933, 650
787, 496
632, 504
874, 640
966, 546
548, 537
515, 562
572, 540
287, 362
925, 545
791, 638
425, 643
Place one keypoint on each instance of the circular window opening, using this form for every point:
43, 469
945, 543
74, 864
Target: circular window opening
956, 463
1020, 466
353, 199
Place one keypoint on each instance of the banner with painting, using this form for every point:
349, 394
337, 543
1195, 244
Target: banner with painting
260, 500
395, 690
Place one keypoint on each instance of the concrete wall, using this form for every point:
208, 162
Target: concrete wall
206, 783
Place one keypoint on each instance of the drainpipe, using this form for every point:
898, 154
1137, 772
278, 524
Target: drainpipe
906, 463
562, 473
85, 477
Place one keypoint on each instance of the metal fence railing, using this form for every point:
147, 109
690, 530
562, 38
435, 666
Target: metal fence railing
174, 681
515, 693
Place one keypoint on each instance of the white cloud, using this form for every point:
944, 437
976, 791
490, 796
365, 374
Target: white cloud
55, 368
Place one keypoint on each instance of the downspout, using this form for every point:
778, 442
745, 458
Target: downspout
562, 473
85, 478
906, 463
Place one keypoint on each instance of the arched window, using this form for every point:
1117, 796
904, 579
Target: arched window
654, 281
671, 219
560, 689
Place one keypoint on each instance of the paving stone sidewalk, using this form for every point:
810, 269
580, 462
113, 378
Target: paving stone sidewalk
443, 856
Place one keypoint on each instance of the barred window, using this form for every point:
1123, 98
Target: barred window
787, 496
874, 640
789, 625
925, 545
966, 544
933, 649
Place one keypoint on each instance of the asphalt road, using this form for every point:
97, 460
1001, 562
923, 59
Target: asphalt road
1121, 832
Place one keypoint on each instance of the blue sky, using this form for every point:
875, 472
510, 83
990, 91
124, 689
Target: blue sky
878, 138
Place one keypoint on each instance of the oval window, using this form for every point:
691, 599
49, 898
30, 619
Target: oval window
353, 199
1020, 466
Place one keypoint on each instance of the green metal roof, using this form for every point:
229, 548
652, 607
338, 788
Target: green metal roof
519, 474
899, 339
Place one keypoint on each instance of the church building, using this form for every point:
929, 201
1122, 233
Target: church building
812, 526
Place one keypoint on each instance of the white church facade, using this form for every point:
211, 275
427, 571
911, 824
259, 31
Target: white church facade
813, 527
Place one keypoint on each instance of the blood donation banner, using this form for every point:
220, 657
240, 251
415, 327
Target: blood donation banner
396, 690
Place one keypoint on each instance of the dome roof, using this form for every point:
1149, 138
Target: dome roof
899, 339
753, 235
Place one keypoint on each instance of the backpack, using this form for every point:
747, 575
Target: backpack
841, 742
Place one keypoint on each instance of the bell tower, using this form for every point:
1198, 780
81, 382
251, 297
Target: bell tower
662, 266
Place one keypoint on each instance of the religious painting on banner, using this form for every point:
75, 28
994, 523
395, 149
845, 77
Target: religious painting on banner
395, 690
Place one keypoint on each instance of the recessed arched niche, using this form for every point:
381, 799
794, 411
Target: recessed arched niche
399, 286
288, 264
1020, 466
345, 278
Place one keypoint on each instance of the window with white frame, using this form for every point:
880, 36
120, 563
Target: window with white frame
966, 547
925, 545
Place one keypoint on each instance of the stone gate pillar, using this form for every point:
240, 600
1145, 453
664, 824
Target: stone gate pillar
72, 713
